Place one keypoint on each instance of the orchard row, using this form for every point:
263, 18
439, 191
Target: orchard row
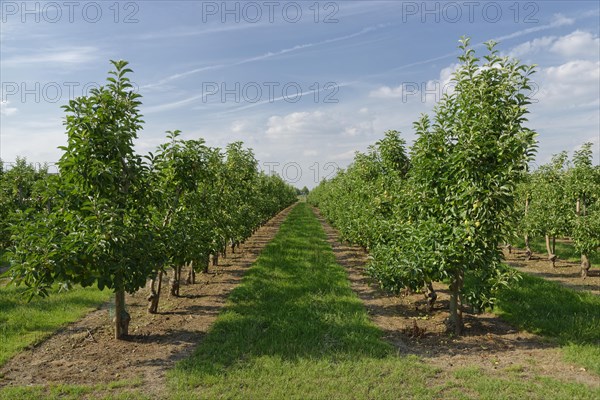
114, 218
441, 210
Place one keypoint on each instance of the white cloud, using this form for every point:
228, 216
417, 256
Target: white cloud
238, 126
72, 56
269, 54
430, 91
577, 44
558, 20
183, 32
5, 109
532, 46
569, 85
574, 84
292, 124
172, 105
319, 124
561, 20
345, 156
387, 92
581, 72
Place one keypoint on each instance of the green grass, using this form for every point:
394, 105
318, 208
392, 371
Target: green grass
25, 323
564, 250
568, 317
119, 390
294, 329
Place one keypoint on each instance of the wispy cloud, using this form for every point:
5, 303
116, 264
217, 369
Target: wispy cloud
558, 21
57, 56
172, 105
267, 55
183, 32
277, 99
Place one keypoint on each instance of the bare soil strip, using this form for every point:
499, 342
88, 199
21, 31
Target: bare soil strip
489, 343
567, 273
85, 352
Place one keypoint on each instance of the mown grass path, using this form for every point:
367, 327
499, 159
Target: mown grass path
294, 329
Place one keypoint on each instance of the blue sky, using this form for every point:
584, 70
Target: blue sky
305, 83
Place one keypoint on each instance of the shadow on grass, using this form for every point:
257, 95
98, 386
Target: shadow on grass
294, 303
547, 308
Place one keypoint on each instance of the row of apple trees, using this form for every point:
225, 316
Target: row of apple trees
562, 199
439, 211
114, 218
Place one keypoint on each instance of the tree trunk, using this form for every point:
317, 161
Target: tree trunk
215, 259
553, 244
191, 278
175, 282
152, 296
527, 247
206, 265
585, 265
431, 296
122, 318
155, 296
551, 255
528, 252
585, 260
456, 320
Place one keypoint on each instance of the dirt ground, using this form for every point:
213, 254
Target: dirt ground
566, 273
488, 342
86, 353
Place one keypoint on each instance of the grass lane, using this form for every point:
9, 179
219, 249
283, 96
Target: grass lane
295, 330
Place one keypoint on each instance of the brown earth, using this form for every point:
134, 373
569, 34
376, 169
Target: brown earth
488, 343
567, 273
85, 352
